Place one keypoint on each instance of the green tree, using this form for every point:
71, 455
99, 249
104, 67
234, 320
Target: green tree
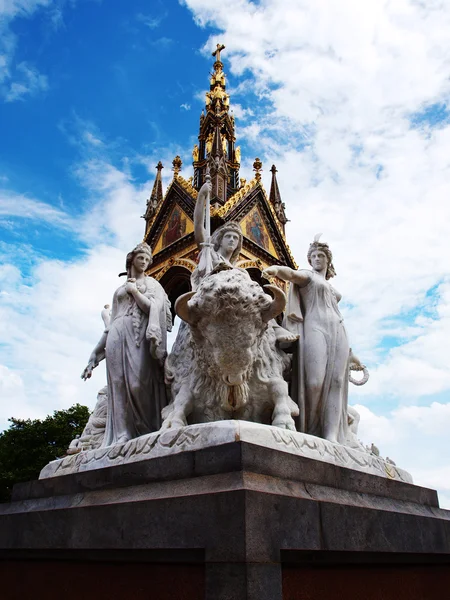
27, 446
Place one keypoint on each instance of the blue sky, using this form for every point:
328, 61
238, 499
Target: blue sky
349, 100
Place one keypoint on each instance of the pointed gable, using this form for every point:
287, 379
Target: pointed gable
169, 222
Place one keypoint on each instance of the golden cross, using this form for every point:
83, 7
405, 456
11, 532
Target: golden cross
217, 52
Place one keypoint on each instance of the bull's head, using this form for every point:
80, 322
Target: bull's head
227, 323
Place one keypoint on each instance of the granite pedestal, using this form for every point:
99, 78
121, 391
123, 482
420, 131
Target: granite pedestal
231, 521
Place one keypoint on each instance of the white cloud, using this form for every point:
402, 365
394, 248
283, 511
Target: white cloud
20, 206
27, 82
415, 437
150, 21
185, 106
18, 80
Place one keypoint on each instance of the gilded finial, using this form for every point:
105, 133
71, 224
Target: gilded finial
257, 167
177, 162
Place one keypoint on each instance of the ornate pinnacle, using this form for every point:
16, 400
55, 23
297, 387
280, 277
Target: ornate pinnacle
257, 167
156, 195
177, 162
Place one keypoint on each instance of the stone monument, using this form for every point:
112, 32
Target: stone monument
231, 468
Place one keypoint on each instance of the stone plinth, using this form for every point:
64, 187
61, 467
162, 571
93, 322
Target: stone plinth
229, 521
211, 435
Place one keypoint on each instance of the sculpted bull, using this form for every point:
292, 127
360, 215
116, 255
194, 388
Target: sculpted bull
224, 363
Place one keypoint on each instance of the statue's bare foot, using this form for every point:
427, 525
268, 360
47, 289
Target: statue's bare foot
284, 422
284, 336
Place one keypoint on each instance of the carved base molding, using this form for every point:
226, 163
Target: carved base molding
209, 435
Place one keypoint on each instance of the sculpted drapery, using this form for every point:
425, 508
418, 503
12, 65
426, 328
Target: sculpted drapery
134, 345
321, 366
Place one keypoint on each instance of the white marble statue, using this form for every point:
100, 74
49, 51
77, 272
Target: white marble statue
313, 313
225, 364
134, 345
221, 249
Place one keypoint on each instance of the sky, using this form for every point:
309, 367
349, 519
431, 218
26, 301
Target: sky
349, 99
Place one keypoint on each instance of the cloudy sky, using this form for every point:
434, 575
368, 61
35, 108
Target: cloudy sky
349, 100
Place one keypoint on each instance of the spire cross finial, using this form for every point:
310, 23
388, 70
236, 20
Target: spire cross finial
217, 51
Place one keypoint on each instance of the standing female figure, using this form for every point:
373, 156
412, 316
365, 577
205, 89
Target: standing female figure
134, 345
326, 353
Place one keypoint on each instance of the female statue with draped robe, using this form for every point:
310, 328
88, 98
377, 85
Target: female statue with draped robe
134, 345
312, 311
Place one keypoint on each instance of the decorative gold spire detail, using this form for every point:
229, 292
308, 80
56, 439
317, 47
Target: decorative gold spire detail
177, 163
217, 100
257, 167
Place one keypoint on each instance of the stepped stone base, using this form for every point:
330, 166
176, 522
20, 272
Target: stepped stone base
226, 522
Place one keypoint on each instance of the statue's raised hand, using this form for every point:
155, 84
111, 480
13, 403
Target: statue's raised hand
270, 272
204, 192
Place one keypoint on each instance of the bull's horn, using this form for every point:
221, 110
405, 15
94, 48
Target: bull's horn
182, 309
277, 305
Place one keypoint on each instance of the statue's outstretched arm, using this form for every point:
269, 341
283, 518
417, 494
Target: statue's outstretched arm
300, 278
199, 214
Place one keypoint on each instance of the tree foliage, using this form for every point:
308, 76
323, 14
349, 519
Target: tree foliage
27, 446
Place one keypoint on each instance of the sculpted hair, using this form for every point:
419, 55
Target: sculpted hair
142, 248
217, 238
323, 247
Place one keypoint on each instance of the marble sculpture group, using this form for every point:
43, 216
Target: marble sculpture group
228, 360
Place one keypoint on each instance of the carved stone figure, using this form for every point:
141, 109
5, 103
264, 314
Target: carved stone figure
313, 312
353, 418
94, 432
225, 364
223, 248
134, 345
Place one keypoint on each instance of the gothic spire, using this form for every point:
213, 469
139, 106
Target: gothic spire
218, 167
217, 133
156, 196
275, 198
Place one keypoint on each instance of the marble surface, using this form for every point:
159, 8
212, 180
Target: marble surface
325, 358
225, 361
207, 435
